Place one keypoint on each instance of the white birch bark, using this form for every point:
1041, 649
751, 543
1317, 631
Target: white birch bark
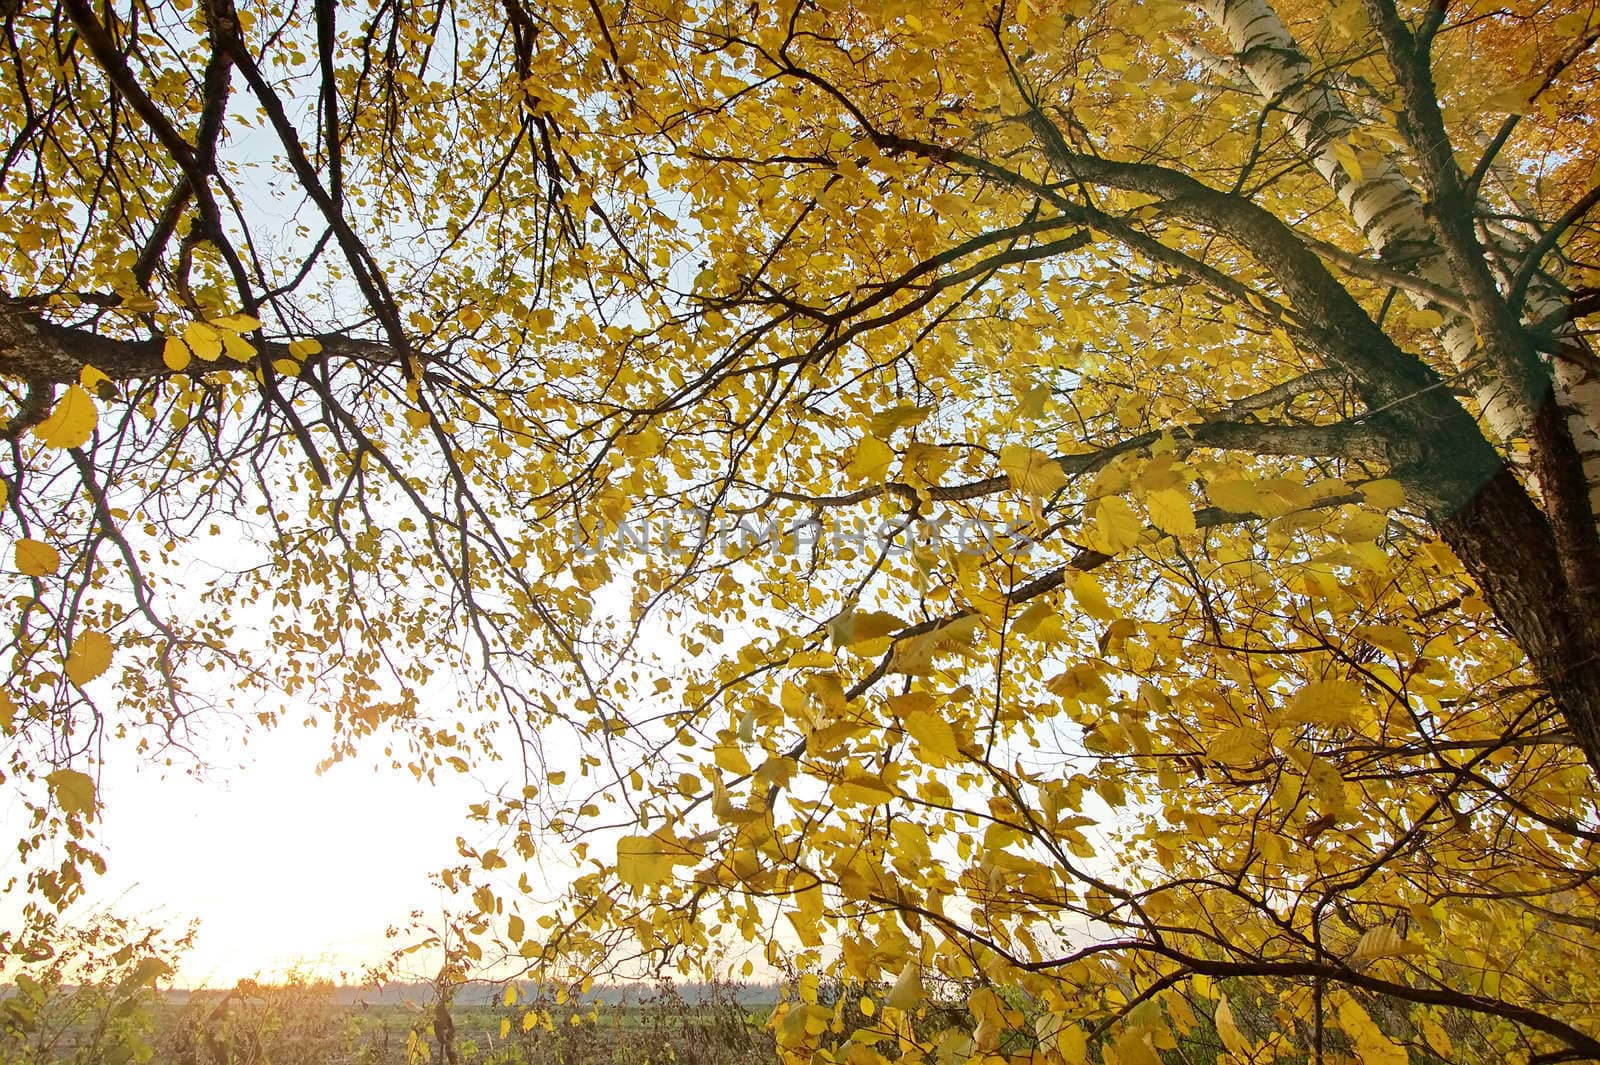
1388, 211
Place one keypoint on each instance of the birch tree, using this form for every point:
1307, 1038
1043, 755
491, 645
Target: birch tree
1074, 518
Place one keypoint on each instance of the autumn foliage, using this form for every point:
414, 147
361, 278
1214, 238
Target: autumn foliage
597, 389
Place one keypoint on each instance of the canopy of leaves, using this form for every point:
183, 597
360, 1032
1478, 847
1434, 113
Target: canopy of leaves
1035, 508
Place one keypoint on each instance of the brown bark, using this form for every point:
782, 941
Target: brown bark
1505, 543
35, 349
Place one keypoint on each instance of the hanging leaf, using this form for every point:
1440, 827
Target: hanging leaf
1031, 471
36, 558
71, 422
1116, 527
90, 656
73, 791
1170, 512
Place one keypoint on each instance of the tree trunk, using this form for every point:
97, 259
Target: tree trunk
1497, 537
1389, 212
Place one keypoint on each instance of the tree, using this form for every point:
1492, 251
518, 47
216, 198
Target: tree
1253, 365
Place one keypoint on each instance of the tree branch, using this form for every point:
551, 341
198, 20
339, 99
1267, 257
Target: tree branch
33, 348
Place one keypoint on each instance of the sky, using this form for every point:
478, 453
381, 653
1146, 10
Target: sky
285, 869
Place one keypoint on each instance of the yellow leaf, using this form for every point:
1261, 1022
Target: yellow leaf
1112, 791
861, 790
1183, 1019
1368, 556
137, 304
1386, 494
722, 801
303, 349
1330, 703
73, 791
203, 340
1134, 1046
1235, 495
92, 379
1055, 1032
1170, 512
516, 928
1031, 471
886, 422
238, 348
1116, 526
1373, 1047
1039, 621
907, 990
89, 657
1228, 1029
1031, 403
237, 323
808, 914
1438, 1039
1073, 1043
1086, 592
914, 657
732, 759
936, 740
1381, 941
175, 354
1515, 99
509, 998
70, 424
1348, 160
1238, 746
37, 559
643, 861
853, 628
871, 460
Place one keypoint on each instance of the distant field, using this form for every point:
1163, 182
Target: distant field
322, 1024
307, 1026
